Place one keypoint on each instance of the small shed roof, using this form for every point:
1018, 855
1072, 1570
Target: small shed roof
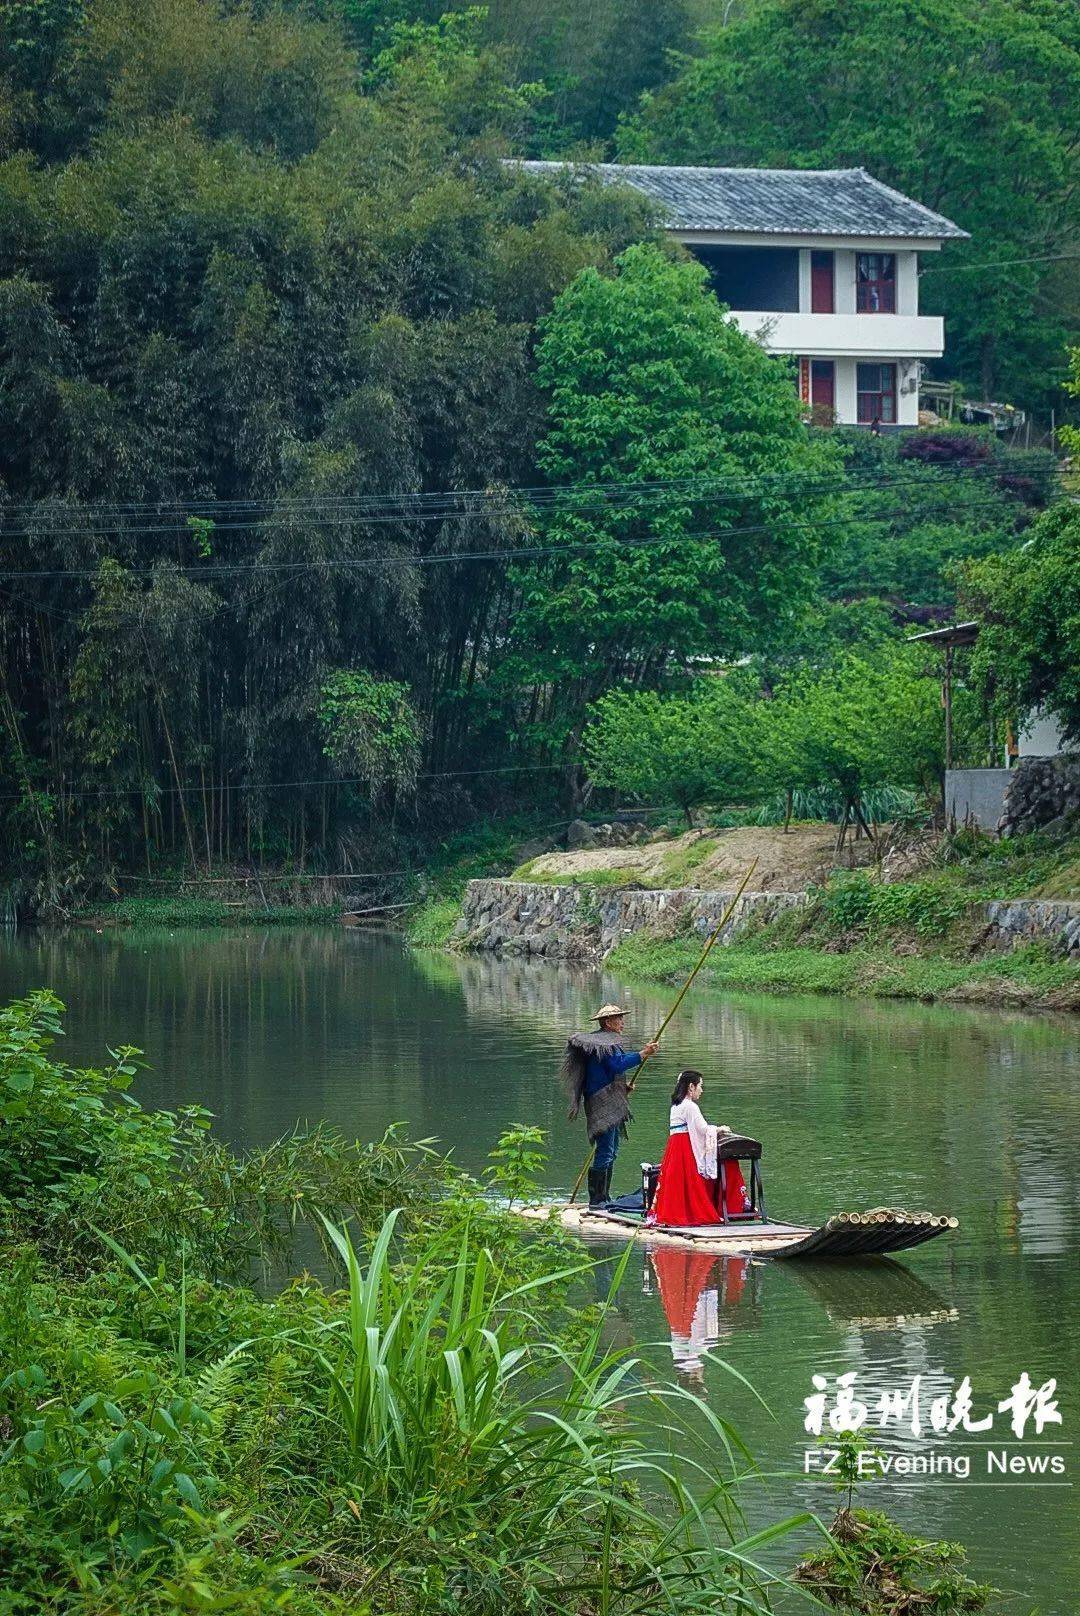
772, 201
956, 634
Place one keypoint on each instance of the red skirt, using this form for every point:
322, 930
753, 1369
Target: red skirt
684, 1198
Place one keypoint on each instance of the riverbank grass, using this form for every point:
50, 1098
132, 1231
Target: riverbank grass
1030, 975
181, 909
487, 849
923, 938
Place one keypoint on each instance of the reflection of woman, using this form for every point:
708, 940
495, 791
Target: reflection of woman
692, 1285
687, 1194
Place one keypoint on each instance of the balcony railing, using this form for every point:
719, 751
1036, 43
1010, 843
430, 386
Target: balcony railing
828, 336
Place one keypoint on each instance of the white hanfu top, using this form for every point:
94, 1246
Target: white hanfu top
703, 1135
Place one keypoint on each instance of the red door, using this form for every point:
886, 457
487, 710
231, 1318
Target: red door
821, 283
823, 383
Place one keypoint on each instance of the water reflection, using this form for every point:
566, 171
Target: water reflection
700, 1294
877, 1295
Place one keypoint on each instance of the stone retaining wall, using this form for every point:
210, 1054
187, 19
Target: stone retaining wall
1043, 794
586, 922
1027, 920
582, 922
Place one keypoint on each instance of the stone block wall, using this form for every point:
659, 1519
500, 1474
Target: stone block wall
1043, 794
586, 922
1036, 920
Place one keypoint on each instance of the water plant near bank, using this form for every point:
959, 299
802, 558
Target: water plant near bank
872, 1566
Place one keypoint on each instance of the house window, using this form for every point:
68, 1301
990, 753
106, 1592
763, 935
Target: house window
875, 283
876, 389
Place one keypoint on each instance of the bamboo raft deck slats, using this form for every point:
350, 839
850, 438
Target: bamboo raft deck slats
879, 1232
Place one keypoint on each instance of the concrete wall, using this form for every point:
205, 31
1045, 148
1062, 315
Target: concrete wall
844, 282
862, 336
907, 283
844, 399
1041, 735
976, 796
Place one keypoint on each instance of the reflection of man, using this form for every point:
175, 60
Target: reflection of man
595, 1074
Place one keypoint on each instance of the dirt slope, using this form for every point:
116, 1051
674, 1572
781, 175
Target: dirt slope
709, 859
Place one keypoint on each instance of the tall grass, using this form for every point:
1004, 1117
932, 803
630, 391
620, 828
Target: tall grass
451, 1421
879, 806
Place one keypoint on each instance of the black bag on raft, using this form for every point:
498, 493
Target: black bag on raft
634, 1202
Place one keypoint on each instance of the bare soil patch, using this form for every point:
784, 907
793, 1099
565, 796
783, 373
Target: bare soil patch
711, 859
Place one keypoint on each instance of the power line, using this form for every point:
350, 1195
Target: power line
1000, 263
522, 552
419, 496
379, 510
156, 791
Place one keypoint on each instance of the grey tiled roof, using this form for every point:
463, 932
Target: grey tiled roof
774, 201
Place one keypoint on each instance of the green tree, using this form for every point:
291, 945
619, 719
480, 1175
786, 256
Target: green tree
237, 264
1028, 606
1070, 435
371, 730
854, 726
968, 497
968, 105
649, 383
686, 749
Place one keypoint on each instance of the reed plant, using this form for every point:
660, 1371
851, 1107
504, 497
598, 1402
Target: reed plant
531, 1469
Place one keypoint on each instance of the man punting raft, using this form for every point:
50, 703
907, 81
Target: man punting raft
699, 1184
595, 1067
594, 1072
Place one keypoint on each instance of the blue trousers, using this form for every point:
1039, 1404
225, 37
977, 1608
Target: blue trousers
606, 1149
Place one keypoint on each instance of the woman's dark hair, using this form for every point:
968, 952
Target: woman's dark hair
683, 1084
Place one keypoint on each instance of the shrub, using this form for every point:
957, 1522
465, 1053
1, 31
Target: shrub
945, 449
859, 903
432, 923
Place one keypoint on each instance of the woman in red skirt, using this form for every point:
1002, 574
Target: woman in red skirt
688, 1192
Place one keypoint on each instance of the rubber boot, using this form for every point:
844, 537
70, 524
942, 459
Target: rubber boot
607, 1186
598, 1187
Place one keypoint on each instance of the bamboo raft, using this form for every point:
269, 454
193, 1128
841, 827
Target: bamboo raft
876, 1233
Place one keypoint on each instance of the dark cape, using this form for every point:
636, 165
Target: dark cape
609, 1107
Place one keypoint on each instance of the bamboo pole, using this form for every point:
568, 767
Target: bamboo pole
705, 952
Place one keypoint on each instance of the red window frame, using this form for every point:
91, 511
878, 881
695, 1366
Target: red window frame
875, 394
875, 283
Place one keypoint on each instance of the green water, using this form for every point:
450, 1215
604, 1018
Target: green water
858, 1103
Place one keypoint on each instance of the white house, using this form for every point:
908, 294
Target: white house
822, 264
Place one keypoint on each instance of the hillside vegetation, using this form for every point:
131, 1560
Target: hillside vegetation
345, 470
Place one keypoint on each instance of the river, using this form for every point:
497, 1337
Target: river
859, 1103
